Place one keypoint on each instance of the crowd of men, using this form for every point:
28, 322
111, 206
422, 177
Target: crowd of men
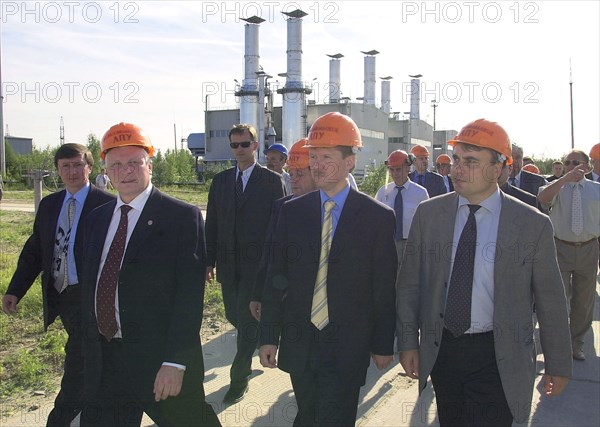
451, 269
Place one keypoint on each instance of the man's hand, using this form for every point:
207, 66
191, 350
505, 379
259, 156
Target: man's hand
576, 174
9, 304
382, 362
267, 354
210, 274
168, 382
554, 385
410, 362
255, 307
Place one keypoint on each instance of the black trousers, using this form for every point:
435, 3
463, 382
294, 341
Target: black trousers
69, 401
467, 384
120, 401
324, 397
236, 298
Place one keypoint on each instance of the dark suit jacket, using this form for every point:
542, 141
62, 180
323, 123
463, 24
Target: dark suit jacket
360, 285
434, 183
522, 195
235, 236
161, 291
531, 182
38, 252
267, 253
525, 268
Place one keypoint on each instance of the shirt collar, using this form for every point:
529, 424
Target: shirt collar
139, 202
80, 195
339, 198
492, 204
246, 172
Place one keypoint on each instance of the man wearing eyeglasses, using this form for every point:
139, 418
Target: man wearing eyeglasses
574, 203
237, 218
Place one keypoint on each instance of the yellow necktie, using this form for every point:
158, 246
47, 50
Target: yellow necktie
319, 315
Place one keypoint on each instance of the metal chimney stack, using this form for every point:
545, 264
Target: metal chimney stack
369, 93
248, 93
415, 96
385, 94
293, 111
335, 81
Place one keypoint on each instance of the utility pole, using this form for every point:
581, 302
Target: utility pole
434, 104
571, 90
2, 142
62, 131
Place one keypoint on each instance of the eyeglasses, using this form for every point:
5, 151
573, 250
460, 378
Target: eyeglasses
575, 162
244, 144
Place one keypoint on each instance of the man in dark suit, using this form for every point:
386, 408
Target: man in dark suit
328, 299
45, 250
237, 217
143, 290
511, 190
523, 179
433, 182
466, 290
558, 170
443, 164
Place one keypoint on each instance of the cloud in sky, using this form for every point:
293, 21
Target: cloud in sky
150, 62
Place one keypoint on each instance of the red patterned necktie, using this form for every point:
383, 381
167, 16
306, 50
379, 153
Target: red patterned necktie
107, 284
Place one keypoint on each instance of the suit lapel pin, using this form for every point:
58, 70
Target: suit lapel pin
150, 222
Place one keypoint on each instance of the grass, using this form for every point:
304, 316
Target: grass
31, 359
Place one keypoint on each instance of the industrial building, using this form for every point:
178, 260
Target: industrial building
382, 131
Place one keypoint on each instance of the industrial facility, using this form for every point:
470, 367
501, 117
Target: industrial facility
382, 131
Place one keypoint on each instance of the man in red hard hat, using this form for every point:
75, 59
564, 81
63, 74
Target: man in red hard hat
433, 182
467, 286
143, 293
443, 164
402, 195
328, 309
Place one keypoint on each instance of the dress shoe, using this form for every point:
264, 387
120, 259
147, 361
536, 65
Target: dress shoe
578, 354
235, 393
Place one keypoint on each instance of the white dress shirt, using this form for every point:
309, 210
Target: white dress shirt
487, 219
412, 195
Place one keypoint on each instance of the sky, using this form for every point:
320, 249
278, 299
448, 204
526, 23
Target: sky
157, 63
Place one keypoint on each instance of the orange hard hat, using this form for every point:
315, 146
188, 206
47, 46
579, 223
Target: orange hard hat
298, 155
531, 168
398, 158
124, 134
420, 150
332, 130
486, 134
443, 159
595, 152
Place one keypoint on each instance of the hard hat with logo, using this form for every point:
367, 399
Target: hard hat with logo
419, 150
486, 134
280, 148
531, 168
332, 130
443, 159
399, 158
124, 134
595, 152
298, 158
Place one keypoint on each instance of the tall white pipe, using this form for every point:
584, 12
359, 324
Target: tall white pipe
335, 80
293, 120
385, 94
369, 82
415, 96
249, 91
